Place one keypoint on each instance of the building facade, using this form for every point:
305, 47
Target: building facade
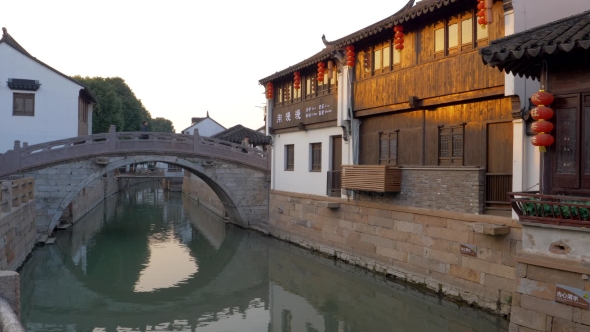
38, 103
206, 126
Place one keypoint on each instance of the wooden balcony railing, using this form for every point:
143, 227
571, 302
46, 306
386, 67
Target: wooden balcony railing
334, 183
551, 209
376, 178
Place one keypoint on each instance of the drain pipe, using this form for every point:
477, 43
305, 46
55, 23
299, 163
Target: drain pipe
9, 322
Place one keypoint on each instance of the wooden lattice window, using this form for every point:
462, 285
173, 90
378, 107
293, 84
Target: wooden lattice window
388, 148
382, 57
23, 104
289, 157
316, 157
451, 145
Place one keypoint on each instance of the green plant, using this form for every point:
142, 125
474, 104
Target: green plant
537, 209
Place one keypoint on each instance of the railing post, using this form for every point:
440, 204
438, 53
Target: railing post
196, 140
31, 188
17, 157
24, 194
16, 189
6, 197
112, 137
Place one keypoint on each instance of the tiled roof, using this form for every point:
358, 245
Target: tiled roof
8, 40
237, 133
22, 84
522, 53
408, 13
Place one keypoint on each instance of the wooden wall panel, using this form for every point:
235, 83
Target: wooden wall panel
461, 73
413, 139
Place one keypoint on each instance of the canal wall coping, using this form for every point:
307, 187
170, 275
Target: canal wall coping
10, 302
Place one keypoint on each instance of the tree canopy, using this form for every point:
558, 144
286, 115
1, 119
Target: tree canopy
118, 105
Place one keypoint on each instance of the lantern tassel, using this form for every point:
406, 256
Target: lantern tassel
542, 149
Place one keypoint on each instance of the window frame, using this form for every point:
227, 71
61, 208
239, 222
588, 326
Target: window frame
462, 45
391, 135
24, 97
315, 152
381, 47
289, 157
451, 132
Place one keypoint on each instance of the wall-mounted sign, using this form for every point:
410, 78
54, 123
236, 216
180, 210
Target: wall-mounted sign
307, 112
572, 296
469, 250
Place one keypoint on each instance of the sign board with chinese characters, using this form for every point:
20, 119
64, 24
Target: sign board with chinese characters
320, 109
468, 249
572, 296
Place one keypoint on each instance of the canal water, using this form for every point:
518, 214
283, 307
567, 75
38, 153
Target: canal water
147, 260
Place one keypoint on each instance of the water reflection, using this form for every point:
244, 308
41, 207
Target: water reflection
152, 261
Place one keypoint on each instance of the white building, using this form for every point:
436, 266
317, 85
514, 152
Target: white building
206, 126
37, 102
520, 16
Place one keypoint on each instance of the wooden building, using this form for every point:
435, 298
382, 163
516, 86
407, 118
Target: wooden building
434, 109
556, 54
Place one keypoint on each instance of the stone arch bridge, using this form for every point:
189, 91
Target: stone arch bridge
63, 168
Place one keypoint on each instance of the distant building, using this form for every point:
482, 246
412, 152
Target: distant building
237, 133
37, 102
206, 126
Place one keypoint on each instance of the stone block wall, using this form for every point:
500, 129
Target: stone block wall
18, 234
198, 190
438, 188
92, 195
417, 245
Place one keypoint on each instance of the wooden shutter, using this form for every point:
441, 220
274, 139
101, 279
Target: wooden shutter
290, 157
451, 145
567, 142
316, 157
388, 148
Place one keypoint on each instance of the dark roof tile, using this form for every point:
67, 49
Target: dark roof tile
521, 54
237, 133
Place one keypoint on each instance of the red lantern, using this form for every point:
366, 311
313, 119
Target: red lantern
481, 13
350, 63
321, 65
350, 48
481, 5
398, 41
269, 90
482, 21
542, 140
542, 98
350, 55
542, 113
542, 126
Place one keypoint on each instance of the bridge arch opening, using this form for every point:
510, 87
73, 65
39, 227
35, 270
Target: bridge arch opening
232, 209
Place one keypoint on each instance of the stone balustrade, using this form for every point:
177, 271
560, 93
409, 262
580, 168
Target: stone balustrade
25, 157
14, 193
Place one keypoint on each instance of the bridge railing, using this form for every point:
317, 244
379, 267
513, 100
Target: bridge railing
15, 193
120, 143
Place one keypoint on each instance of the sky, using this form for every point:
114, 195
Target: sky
183, 58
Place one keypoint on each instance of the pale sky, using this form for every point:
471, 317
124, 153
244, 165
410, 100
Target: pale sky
183, 58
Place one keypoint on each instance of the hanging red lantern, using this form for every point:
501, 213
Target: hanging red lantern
296, 80
541, 113
321, 66
481, 5
542, 141
350, 56
269, 90
398, 41
542, 127
542, 98
482, 21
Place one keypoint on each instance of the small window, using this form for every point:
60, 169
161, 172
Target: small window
289, 157
308, 86
296, 93
388, 148
467, 31
23, 104
316, 157
482, 32
453, 35
397, 57
386, 57
439, 40
450, 147
377, 59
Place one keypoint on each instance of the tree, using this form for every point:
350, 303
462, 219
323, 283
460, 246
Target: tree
118, 105
161, 125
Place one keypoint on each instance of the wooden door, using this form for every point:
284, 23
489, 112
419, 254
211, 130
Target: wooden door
499, 168
334, 175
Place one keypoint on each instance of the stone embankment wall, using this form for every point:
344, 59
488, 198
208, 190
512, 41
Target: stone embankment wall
418, 245
18, 232
198, 190
92, 195
457, 189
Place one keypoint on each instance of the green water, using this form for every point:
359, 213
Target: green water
147, 260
